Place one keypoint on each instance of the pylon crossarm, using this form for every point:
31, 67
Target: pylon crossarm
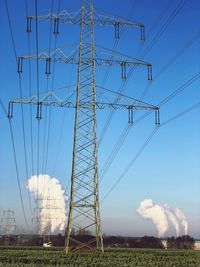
103, 57
85, 105
66, 17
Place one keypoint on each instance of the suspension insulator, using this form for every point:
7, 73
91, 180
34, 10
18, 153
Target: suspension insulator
117, 31
142, 31
157, 117
10, 110
19, 65
123, 65
150, 72
39, 111
56, 24
130, 115
48, 66
29, 24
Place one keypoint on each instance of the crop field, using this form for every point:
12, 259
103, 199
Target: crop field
33, 257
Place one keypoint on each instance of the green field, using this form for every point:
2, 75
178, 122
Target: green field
33, 257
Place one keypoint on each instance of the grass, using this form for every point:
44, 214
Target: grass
35, 257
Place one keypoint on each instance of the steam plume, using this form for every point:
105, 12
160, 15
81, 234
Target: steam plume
183, 221
52, 203
172, 217
162, 216
156, 213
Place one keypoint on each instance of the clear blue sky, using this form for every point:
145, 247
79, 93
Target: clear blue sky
168, 170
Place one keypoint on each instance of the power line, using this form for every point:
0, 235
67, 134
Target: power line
164, 27
114, 152
156, 22
17, 173
22, 115
3, 107
116, 43
38, 106
171, 95
173, 118
30, 90
194, 38
145, 52
180, 89
147, 141
125, 132
47, 88
52, 88
181, 114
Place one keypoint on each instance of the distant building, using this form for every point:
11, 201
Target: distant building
164, 242
197, 245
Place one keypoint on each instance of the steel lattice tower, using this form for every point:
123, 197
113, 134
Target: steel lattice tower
84, 197
84, 212
8, 225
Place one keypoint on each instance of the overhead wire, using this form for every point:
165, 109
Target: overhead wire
3, 107
10, 123
38, 117
194, 38
129, 166
144, 145
50, 110
145, 52
47, 89
17, 172
169, 63
181, 114
164, 27
173, 94
164, 101
30, 92
116, 43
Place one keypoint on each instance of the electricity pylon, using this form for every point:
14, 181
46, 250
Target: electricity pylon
8, 225
84, 210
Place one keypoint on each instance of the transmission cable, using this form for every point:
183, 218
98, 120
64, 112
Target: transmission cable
113, 155
194, 38
171, 61
164, 27
22, 115
50, 110
17, 172
47, 89
144, 145
116, 43
164, 101
181, 114
3, 107
38, 117
30, 92
145, 52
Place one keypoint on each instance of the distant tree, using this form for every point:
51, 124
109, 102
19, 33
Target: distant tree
182, 242
171, 243
151, 242
58, 240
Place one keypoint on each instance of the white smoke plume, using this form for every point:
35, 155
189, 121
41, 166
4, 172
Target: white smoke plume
156, 213
173, 218
51, 201
162, 215
182, 219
